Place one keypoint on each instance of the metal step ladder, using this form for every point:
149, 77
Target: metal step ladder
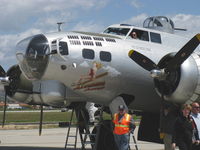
91, 138
84, 131
135, 143
70, 135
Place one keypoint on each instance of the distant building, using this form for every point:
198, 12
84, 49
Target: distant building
14, 106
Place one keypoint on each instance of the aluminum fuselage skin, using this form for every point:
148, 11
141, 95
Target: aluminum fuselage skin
121, 74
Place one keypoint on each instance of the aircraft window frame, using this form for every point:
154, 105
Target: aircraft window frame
89, 43
155, 37
74, 42
148, 23
63, 48
98, 43
73, 37
83, 37
117, 31
105, 56
98, 38
110, 40
88, 53
141, 34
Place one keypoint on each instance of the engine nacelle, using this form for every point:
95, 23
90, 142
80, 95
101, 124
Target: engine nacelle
48, 92
53, 93
187, 82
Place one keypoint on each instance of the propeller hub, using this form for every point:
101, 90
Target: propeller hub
158, 74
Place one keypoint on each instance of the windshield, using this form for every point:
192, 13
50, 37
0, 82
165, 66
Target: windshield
117, 31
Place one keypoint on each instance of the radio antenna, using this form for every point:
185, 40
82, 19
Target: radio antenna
59, 25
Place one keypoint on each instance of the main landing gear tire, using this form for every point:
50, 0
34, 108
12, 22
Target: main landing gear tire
106, 139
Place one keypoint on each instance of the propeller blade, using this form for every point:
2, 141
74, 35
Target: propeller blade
142, 60
4, 110
2, 72
183, 53
41, 119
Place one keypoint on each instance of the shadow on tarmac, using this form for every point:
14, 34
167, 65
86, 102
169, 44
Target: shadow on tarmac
34, 148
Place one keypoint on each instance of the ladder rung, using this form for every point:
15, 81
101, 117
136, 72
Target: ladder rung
71, 136
88, 142
71, 144
89, 134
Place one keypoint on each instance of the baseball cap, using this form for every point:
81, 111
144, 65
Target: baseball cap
121, 107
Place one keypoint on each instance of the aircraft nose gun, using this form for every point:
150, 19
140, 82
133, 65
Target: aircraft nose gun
4, 80
32, 54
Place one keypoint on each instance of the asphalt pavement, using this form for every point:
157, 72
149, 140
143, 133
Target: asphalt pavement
51, 139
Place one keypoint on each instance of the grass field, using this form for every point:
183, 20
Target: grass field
49, 117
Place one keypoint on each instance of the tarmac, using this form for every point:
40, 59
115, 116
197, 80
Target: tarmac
53, 139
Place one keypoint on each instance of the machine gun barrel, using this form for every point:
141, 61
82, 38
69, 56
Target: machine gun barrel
4, 80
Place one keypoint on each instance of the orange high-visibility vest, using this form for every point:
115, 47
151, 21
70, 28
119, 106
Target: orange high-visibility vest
123, 126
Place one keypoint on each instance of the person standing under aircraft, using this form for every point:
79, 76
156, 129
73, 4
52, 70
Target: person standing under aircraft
91, 111
123, 126
195, 114
168, 116
183, 129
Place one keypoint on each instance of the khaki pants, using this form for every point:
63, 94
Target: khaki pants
168, 142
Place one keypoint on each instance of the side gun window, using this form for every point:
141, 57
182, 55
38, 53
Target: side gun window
88, 53
155, 37
105, 56
63, 47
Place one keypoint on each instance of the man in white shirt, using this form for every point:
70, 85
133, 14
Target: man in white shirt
195, 114
91, 111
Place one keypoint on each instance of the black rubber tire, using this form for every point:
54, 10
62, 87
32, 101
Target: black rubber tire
106, 139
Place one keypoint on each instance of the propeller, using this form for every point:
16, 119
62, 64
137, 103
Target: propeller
2, 77
9, 80
184, 53
166, 74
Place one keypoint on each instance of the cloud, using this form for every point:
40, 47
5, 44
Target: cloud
136, 20
17, 15
187, 21
8, 43
88, 27
136, 3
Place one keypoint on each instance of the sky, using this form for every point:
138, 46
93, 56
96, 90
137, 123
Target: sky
22, 18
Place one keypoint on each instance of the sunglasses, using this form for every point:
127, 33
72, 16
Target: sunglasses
196, 107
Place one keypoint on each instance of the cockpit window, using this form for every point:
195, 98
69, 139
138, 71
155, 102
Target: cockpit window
155, 37
117, 31
139, 34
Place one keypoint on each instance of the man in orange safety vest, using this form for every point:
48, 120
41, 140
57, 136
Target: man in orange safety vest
123, 125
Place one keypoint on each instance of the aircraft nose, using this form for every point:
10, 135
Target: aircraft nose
32, 55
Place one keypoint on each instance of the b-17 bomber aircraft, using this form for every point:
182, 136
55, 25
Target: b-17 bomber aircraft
109, 68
